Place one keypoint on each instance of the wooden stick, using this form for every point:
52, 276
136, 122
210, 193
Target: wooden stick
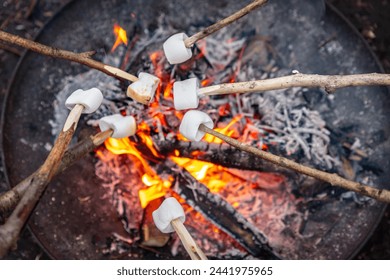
82, 58
73, 117
189, 42
10, 49
189, 243
333, 179
9, 199
9, 232
329, 82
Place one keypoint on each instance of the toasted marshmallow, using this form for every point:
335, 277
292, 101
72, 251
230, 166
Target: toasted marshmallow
144, 89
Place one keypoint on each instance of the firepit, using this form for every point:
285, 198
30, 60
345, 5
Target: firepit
238, 206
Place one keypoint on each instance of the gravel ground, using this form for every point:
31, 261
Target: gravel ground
25, 18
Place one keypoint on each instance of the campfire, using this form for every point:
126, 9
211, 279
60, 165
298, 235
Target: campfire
237, 204
157, 169
164, 163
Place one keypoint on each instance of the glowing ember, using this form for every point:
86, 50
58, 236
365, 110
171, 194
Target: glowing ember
121, 37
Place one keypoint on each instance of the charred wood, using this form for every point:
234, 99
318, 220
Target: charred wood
222, 214
221, 154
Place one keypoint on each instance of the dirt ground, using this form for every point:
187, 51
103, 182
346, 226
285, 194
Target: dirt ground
25, 18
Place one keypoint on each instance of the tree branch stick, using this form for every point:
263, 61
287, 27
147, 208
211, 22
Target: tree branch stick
188, 242
10, 49
333, 179
222, 23
9, 199
9, 232
82, 58
329, 82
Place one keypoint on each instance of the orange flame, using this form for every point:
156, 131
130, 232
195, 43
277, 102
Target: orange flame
157, 187
226, 130
206, 82
121, 37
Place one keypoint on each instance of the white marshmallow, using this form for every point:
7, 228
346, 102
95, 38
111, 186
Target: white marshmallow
168, 211
90, 99
185, 94
122, 126
190, 123
175, 49
144, 89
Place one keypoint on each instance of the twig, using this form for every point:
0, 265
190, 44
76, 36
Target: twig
333, 179
9, 199
10, 49
31, 8
329, 82
10, 231
222, 23
82, 58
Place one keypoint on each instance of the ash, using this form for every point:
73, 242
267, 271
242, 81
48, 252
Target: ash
295, 128
119, 177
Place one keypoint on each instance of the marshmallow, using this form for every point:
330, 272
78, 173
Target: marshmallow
90, 99
185, 94
122, 126
144, 89
168, 211
190, 123
175, 49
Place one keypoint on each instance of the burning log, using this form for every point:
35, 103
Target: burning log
222, 214
187, 93
178, 47
221, 154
